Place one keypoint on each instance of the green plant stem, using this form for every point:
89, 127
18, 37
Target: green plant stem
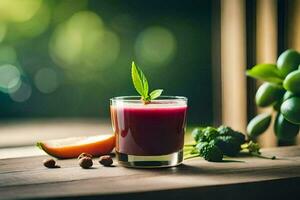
190, 156
189, 145
261, 156
188, 148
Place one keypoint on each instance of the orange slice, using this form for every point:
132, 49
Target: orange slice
73, 147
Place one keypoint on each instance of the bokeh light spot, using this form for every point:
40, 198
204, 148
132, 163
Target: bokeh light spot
46, 80
30, 28
18, 10
9, 77
65, 46
101, 51
22, 94
82, 45
155, 46
67, 43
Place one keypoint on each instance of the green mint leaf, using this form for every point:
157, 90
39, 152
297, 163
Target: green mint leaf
139, 81
266, 72
155, 93
141, 84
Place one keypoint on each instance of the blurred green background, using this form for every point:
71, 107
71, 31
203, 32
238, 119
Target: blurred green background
66, 58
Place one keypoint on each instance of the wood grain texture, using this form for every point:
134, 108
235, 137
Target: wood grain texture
27, 178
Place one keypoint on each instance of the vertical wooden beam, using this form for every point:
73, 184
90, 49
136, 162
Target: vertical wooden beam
293, 25
266, 51
266, 34
233, 63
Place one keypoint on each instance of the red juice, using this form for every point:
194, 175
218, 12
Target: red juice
153, 129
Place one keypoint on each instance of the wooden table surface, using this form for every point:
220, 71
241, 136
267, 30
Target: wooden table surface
22, 175
243, 177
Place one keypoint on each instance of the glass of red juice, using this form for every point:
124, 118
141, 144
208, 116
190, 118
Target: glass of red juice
149, 135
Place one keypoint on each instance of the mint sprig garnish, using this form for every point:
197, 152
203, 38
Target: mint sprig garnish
141, 85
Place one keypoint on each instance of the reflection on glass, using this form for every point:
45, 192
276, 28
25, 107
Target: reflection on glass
10, 77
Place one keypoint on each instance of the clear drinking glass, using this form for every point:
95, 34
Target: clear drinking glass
149, 135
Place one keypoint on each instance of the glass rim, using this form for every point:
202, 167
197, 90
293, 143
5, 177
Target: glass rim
160, 98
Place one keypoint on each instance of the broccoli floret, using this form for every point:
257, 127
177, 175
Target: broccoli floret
210, 152
229, 145
212, 144
204, 134
227, 131
200, 146
210, 133
196, 133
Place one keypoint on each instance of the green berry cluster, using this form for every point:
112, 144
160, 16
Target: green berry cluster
281, 90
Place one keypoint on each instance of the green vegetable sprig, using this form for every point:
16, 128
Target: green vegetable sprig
254, 149
141, 85
214, 143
